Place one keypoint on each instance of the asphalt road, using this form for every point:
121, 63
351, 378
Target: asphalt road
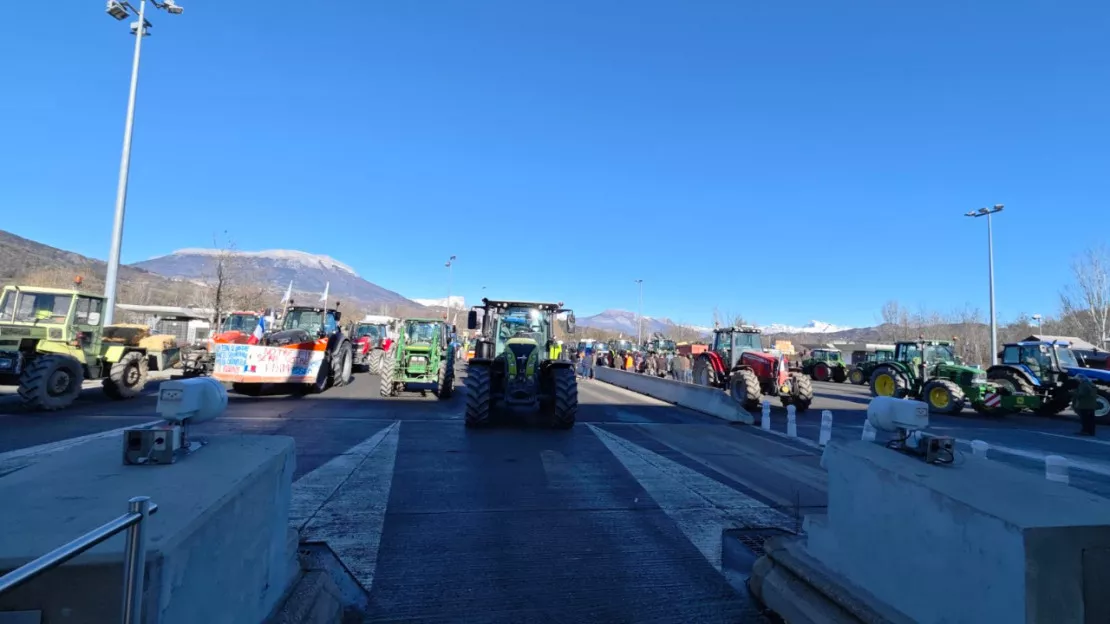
619, 519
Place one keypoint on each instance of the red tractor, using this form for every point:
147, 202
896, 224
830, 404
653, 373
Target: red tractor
373, 338
738, 364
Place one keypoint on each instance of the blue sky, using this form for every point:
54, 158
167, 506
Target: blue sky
783, 160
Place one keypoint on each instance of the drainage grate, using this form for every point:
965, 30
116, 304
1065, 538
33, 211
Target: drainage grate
753, 539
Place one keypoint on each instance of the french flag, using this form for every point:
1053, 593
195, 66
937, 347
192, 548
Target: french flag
259, 330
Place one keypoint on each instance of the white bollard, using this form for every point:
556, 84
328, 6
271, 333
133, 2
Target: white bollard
791, 421
765, 421
1056, 468
826, 428
868, 432
979, 448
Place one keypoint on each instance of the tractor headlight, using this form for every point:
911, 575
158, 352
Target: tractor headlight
418, 359
979, 378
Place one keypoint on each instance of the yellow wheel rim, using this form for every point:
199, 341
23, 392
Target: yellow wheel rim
856, 376
939, 397
884, 385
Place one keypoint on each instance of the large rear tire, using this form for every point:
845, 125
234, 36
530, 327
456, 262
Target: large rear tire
342, 365
51, 382
1102, 412
445, 381
887, 381
1011, 380
478, 390
840, 374
821, 371
127, 377
387, 388
943, 396
743, 385
374, 361
801, 392
565, 409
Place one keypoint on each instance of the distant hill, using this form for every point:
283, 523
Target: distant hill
274, 269
624, 322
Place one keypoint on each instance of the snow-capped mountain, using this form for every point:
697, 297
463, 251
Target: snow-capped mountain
457, 302
275, 268
625, 322
812, 327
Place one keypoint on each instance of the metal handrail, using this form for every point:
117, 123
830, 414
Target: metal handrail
134, 556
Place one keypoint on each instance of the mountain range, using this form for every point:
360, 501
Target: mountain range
625, 322
277, 268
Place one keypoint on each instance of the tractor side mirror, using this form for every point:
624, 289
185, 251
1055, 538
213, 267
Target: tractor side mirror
570, 322
472, 319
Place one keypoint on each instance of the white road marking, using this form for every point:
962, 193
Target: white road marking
343, 502
1072, 437
1079, 464
701, 507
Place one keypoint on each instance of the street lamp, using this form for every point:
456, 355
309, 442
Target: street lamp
119, 10
450, 281
987, 212
640, 315
1037, 317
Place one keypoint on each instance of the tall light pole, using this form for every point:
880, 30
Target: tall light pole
640, 316
450, 283
119, 10
1038, 318
987, 212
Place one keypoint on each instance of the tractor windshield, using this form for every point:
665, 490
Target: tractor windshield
312, 321
939, 353
748, 341
521, 322
240, 322
664, 345
827, 356
420, 331
30, 307
1066, 357
373, 331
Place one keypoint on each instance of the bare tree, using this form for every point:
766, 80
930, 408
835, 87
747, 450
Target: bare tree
897, 322
220, 282
1089, 297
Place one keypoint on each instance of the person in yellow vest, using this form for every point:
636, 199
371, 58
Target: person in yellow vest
555, 351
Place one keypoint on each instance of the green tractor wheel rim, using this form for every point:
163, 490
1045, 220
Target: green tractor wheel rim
856, 376
59, 382
884, 385
939, 397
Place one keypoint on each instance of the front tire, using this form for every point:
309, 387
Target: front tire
801, 392
703, 373
445, 381
856, 376
51, 382
839, 374
565, 409
387, 388
342, 365
743, 385
478, 391
127, 377
374, 362
943, 396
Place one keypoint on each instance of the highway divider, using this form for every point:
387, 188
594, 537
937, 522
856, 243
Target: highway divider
698, 398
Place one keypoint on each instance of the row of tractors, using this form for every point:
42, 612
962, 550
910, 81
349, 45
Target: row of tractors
1036, 376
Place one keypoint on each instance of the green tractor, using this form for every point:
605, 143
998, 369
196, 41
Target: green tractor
825, 365
421, 356
861, 371
51, 340
930, 371
517, 365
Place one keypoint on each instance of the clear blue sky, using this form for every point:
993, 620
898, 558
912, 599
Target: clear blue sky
784, 160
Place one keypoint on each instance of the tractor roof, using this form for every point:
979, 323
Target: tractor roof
417, 319
926, 341
1037, 343
829, 349
552, 307
746, 329
54, 291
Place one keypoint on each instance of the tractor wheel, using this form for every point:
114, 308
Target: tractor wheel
1010, 380
341, 365
887, 381
478, 390
565, 408
743, 385
127, 377
387, 387
821, 371
943, 396
1054, 403
801, 392
856, 376
1102, 412
444, 381
840, 374
374, 361
51, 382
703, 373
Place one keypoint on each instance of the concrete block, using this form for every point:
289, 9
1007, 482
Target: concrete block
710, 401
972, 542
217, 550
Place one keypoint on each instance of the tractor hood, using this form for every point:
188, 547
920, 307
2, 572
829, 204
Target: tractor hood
419, 347
288, 337
1094, 374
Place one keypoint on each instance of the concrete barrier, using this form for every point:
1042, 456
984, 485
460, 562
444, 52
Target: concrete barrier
218, 550
706, 400
977, 541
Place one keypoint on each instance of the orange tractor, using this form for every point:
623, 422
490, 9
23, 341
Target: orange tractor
236, 328
737, 363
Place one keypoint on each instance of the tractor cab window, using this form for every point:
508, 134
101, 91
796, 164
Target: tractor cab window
417, 331
1037, 357
331, 323
311, 321
41, 307
373, 331
87, 312
747, 341
908, 352
939, 353
240, 322
883, 356
722, 343
1011, 355
1066, 357
518, 322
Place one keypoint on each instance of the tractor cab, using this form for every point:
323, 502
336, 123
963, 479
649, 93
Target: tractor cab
825, 355
931, 352
731, 342
1043, 361
313, 321
621, 346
